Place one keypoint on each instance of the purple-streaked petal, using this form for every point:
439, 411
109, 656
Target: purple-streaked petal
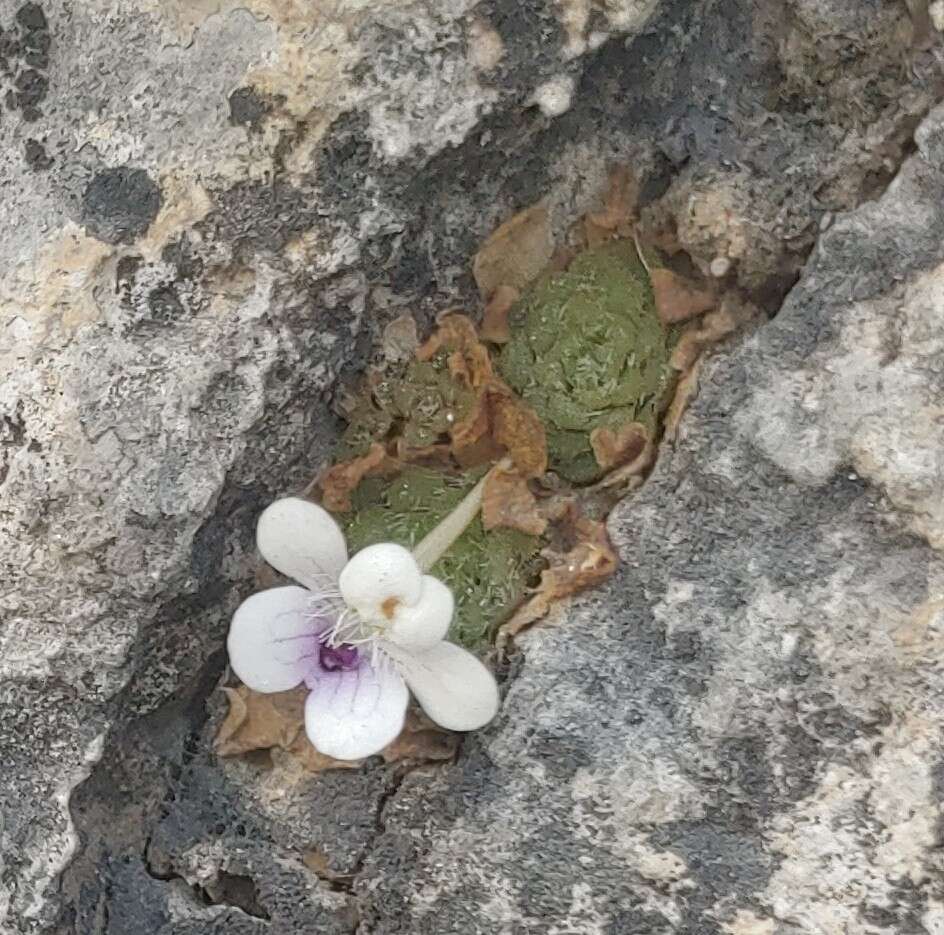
424, 624
450, 684
273, 639
353, 713
302, 540
380, 573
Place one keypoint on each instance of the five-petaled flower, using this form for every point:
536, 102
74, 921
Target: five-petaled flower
356, 634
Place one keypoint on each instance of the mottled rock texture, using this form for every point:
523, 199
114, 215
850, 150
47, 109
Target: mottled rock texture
211, 208
741, 732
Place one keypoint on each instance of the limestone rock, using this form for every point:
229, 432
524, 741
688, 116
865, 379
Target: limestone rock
740, 732
212, 210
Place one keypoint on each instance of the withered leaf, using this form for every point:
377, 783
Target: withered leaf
619, 207
677, 299
257, 721
501, 422
562, 258
619, 204
439, 454
340, 480
594, 235
459, 368
590, 560
629, 476
516, 252
614, 448
658, 227
469, 360
685, 391
454, 331
497, 421
495, 326
516, 426
712, 328
508, 502
309, 759
472, 440
421, 739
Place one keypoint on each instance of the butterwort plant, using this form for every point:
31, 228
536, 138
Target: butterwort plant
360, 633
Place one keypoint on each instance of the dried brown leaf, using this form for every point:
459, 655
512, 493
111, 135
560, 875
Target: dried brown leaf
495, 327
619, 204
421, 739
498, 421
619, 209
563, 257
306, 756
256, 721
459, 368
340, 480
658, 228
712, 328
629, 476
677, 299
472, 368
594, 235
516, 426
508, 502
454, 332
479, 363
685, 392
472, 441
469, 360
516, 252
614, 448
589, 561
432, 455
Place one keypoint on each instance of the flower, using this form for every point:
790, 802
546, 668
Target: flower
356, 633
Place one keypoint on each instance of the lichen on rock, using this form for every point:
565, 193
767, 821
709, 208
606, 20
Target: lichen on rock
588, 351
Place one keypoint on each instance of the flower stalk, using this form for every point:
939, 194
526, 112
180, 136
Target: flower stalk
431, 548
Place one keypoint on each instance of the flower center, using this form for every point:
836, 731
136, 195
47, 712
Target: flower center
332, 658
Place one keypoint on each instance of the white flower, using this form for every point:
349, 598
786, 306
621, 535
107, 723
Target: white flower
356, 634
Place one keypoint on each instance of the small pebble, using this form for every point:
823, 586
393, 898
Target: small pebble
554, 97
936, 11
719, 266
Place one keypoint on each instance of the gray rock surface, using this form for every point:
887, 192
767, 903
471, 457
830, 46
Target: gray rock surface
742, 731
212, 210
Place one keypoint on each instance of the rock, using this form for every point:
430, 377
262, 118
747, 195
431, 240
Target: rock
213, 212
740, 732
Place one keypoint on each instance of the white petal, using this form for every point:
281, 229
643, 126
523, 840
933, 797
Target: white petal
353, 713
425, 623
302, 540
451, 685
379, 573
273, 639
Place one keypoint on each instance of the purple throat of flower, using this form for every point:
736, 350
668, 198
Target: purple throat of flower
342, 656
